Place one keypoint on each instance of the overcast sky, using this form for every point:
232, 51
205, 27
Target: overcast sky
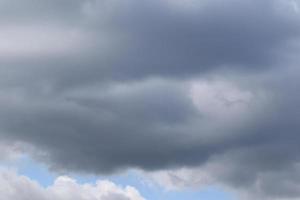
186, 93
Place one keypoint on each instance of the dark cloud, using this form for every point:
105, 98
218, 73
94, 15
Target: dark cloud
138, 39
262, 159
163, 41
101, 86
30, 11
132, 118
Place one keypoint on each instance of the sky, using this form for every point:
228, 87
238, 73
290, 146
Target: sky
149, 100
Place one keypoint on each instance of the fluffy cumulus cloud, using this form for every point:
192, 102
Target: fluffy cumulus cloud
99, 86
16, 187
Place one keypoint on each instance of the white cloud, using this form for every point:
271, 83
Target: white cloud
220, 98
16, 187
10, 152
226, 106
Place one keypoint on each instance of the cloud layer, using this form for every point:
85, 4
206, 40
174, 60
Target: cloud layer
101, 86
16, 187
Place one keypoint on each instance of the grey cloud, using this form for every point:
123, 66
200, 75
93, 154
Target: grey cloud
158, 40
132, 118
113, 89
138, 39
165, 42
261, 160
30, 11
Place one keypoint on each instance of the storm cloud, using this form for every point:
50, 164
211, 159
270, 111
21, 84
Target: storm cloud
103, 86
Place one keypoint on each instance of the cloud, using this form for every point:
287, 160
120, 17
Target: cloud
132, 40
101, 86
116, 128
17, 187
261, 160
234, 176
9, 151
